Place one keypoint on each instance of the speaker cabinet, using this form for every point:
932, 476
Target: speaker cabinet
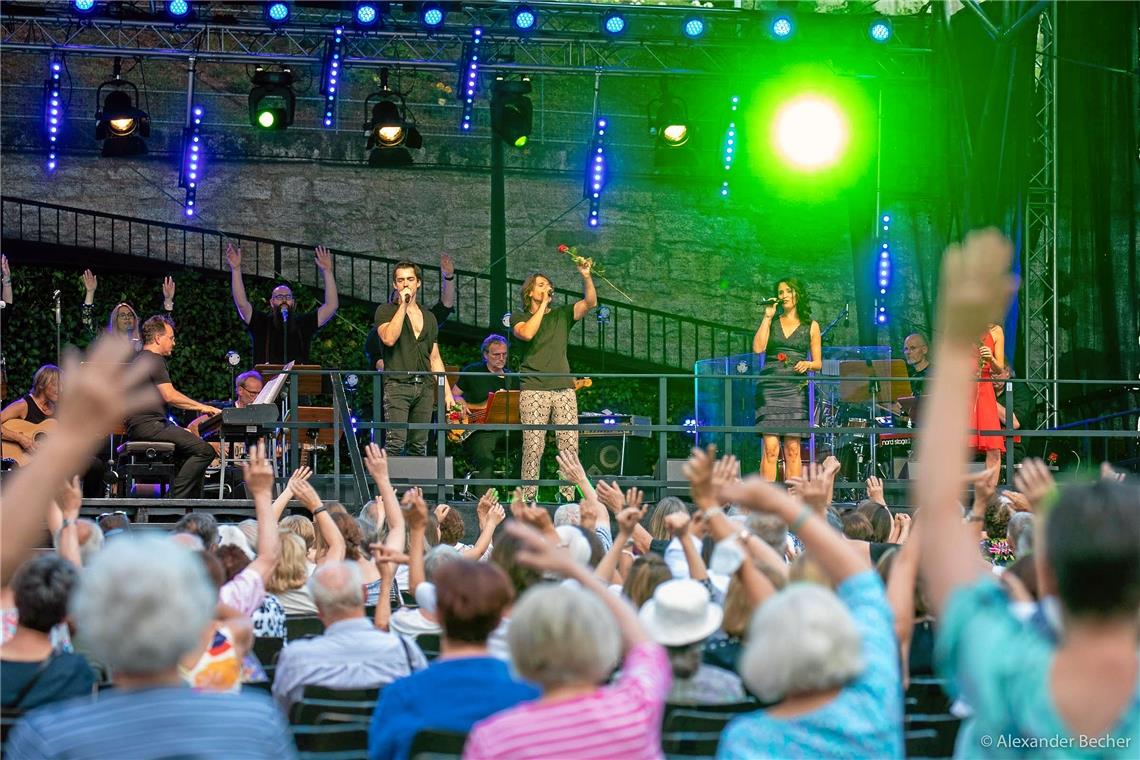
614, 455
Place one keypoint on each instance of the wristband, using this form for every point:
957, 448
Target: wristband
66, 524
449, 279
804, 515
318, 510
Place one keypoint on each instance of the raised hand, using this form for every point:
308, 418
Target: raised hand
415, 509
677, 523
536, 552
257, 473
1035, 481
300, 475
233, 256
376, 461
168, 291
985, 485
324, 259
901, 528
441, 511
814, 486
633, 498
756, 493
1018, 501
4, 270
69, 497
304, 492
538, 517
382, 553
1107, 472
976, 286
570, 466
495, 515
518, 504
875, 489
446, 265
699, 471
90, 281
583, 265
770, 311
725, 470
628, 518
610, 495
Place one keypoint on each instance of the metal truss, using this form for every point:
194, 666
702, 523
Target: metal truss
1040, 270
567, 43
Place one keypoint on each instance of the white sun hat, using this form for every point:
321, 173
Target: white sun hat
680, 613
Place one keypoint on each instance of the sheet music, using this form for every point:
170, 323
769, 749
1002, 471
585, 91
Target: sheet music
272, 389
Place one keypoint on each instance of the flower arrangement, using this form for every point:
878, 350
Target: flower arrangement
999, 552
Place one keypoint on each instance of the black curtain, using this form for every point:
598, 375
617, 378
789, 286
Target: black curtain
1098, 273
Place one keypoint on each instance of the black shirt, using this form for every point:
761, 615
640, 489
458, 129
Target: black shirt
476, 388
157, 374
409, 354
35, 415
917, 379
374, 348
546, 351
269, 341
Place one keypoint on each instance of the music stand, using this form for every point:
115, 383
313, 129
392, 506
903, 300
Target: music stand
306, 384
875, 393
268, 395
503, 409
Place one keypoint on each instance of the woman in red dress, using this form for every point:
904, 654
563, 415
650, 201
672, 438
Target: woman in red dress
991, 361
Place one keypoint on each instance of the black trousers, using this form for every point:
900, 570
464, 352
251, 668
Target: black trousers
192, 455
407, 402
481, 448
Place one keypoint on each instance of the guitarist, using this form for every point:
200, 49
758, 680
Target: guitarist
37, 407
545, 332
475, 392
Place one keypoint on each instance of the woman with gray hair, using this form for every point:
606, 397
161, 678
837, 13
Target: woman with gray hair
567, 640
828, 660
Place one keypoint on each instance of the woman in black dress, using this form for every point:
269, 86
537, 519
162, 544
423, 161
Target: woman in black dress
791, 343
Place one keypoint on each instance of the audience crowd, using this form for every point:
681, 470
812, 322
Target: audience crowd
806, 627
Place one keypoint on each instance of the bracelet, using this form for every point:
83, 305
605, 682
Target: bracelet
975, 518
318, 510
66, 524
449, 279
805, 514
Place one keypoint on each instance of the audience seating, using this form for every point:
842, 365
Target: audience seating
300, 626
267, 648
317, 700
927, 696
690, 743
697, 720
344, 739
919, 742
735, 708
429, 643
434, 743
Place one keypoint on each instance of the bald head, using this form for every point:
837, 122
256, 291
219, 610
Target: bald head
338, 590
915, 350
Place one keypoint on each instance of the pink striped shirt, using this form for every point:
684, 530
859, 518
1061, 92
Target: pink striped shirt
623, 720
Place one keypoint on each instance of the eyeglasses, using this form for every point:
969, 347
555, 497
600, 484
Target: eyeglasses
112, 514
497, 354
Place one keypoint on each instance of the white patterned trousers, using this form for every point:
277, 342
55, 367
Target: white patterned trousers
546, 408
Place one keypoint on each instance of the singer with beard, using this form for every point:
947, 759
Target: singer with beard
282, 335
791, 343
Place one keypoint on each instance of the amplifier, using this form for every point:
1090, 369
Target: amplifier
613, 424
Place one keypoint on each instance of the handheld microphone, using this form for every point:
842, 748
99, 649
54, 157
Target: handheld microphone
55, 295
770, 300
284, 313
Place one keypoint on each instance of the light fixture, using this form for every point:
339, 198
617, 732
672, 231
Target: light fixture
277, 13
390, 134
883, 273
366, 14
595, 178
119, 123
469, 78
811, 132
271, 100
53, 111
730, 143
83, 7
693, 27
193, 153
613, 24
781, 26
669, 120
880, 29
331, 75
512, 114
524, 18
432, 15
179, 10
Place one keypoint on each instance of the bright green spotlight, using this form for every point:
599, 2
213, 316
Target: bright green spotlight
266, 119
810, 132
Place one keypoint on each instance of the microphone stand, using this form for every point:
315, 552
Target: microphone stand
873, 388
832, 390
284, 336
58, 327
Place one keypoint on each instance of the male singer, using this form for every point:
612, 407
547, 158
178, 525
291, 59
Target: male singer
409, 336
281, 335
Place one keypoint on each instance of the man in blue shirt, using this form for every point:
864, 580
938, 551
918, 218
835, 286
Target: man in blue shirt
466, 684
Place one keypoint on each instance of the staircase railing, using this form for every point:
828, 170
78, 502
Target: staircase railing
634, 334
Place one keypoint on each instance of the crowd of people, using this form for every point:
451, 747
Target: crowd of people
570, 635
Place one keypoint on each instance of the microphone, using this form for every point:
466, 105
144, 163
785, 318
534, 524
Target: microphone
770, 300
284, 313
55, 295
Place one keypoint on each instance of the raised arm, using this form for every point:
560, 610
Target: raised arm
976, 287
287, 493
322, 521
5, 280
390, 330
447, 280
615, 501
168, 294
63, 521
490, 513
416, 508
376, 460
764, 331
628, 519
678, 526
237, 284
332, 300
589, 293
258, 476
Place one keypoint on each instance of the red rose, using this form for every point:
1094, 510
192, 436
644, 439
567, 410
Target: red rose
1053, 456
781, 357
563, 248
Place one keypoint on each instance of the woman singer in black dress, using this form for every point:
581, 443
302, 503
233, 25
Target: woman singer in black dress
792, 345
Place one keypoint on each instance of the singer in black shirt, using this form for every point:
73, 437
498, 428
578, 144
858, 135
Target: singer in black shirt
281, 334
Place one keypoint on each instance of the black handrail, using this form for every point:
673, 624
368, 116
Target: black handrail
657, 339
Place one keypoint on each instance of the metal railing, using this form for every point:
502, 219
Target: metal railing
652, 338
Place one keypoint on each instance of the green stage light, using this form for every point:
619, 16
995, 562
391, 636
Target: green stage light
266, 119
810, 132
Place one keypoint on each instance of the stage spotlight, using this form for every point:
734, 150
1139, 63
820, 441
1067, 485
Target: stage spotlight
880, 30
524, 18
782, 27
693, 27
669, 121
119, 124
432, 15
277, 13
512, 114
389, 132
613, 24
53, 110
366, 14
271, 101
810, 132
178, 9
83, 7
331, 74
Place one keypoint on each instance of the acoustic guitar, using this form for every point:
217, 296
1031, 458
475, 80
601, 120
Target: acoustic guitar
476, 414
37, 432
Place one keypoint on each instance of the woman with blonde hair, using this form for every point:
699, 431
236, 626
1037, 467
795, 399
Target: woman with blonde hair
123, 319
287, 582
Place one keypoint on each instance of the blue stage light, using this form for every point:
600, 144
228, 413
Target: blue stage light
469, 78
880, 30
53, 112
330, 78
432, 15
178, 8
782, 27
730, 143
83, 6
193, 153
524, 18
278, 13
595, 179
367, 14
883, 277
694, 27
613, 24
